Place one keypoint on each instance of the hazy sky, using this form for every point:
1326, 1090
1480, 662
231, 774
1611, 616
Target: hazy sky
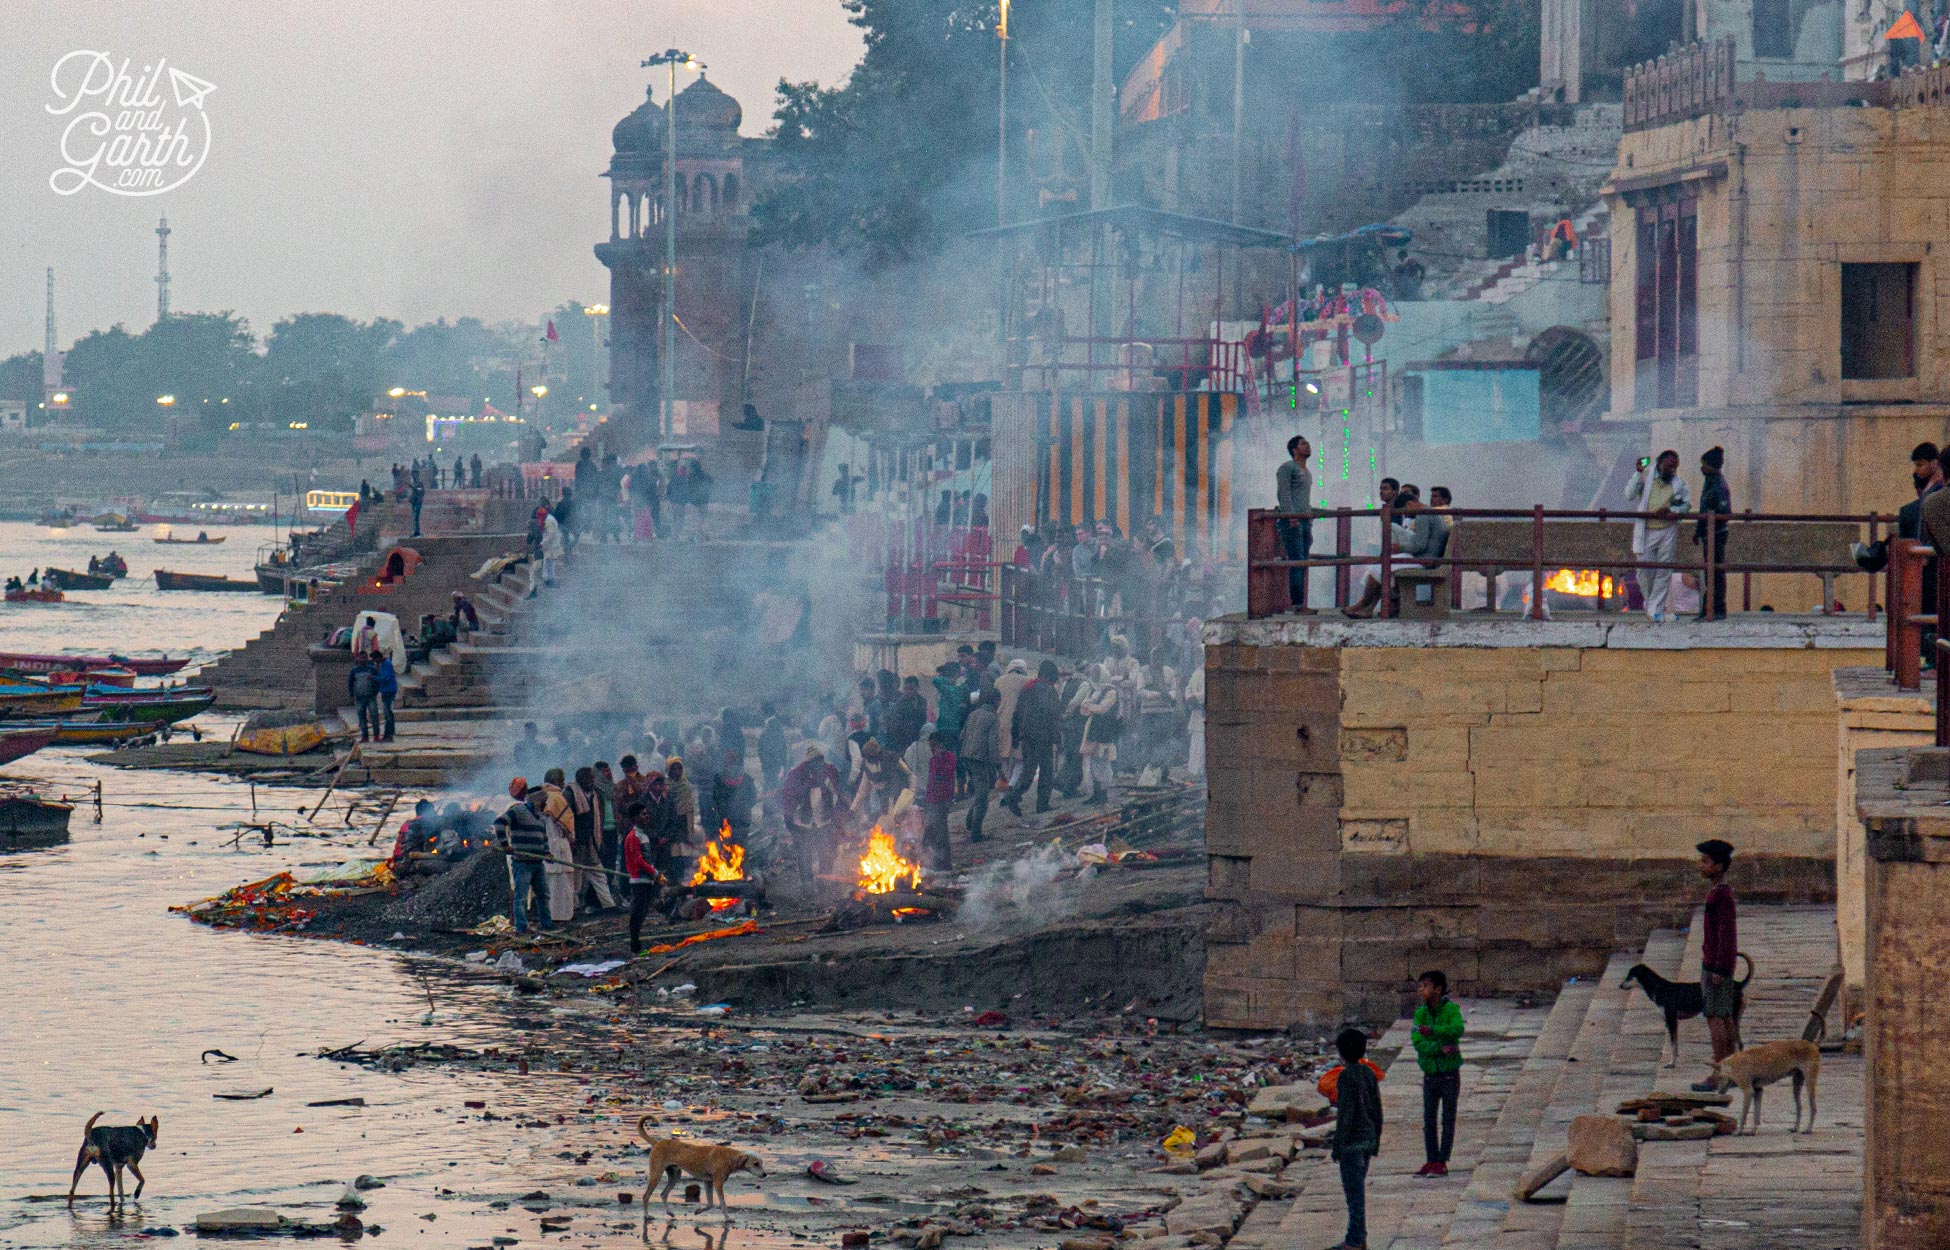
408, 159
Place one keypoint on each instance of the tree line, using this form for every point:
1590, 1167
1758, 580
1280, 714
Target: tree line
317, 369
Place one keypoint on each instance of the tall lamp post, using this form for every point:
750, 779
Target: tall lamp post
596, 337
671, 58
1002, 119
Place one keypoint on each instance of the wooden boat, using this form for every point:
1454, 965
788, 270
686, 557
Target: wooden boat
166, 580
280, 739
270, 578
146, 711
57, 520
24, 662
39, 700
201, 540
115, 523
87, 729
18, 744
67, 579
28, 821
43, 594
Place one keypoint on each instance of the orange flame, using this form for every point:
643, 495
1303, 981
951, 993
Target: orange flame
724, 860
1586, 583
882, 869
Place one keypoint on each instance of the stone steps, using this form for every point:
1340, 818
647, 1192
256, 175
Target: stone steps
1485, 1202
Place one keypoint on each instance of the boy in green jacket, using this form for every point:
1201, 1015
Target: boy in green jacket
1437, 1037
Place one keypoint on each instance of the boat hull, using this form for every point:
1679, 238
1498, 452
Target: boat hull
67, 579
28, 823
26, 663
21, 743
166, 580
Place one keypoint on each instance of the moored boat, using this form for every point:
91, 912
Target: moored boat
39, 700
201, 540
27, 820
89, 728
175, 705
18, 744
115, 523
67, 579
166, 580
28, 663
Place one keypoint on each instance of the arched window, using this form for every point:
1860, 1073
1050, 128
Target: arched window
683, 191
729, 197
705, 197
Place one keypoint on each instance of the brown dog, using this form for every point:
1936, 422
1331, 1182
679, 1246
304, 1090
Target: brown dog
711, 1164
1757, 1067
115, 1149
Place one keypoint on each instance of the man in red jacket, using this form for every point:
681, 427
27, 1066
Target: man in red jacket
939, 796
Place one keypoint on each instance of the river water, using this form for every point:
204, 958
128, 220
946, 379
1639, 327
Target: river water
109, 999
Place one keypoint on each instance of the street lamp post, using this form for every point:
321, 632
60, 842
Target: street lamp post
670, 58
597, 356
1002, 119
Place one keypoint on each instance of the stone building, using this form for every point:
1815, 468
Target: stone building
1775, 284
715, 172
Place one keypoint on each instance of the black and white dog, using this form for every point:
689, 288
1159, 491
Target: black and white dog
114, 1149
1682, 1000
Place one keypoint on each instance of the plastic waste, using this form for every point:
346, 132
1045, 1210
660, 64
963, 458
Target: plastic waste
509, 962
1180, 1140
715, 1009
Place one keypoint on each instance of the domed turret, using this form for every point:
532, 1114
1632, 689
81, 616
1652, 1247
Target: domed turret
643, 130
702, 107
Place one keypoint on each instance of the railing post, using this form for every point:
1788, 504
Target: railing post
1937, 657
1706, 605
1343, 546
1387, 571
1537, 562
1909, 634
1869, 590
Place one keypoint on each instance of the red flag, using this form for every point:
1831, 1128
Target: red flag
1906, 27
551, 333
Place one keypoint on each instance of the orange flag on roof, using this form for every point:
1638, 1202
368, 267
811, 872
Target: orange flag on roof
1906, 27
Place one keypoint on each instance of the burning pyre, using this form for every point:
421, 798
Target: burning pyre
723, 860
883, 869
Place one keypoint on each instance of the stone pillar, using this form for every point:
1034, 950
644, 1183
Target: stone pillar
1906, 1158
1561, 48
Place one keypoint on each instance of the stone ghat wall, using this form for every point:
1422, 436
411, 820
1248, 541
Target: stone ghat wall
1512, 816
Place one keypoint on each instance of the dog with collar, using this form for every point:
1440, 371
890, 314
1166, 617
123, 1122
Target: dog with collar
114, 1148
713, 1165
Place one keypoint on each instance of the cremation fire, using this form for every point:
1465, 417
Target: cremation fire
882, 868
724, 860
1585, 583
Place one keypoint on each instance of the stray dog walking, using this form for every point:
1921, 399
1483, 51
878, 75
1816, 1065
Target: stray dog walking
711, 1164
114, 1148
1757, 1067
1682, 1000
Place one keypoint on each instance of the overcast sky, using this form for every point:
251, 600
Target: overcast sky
409, 159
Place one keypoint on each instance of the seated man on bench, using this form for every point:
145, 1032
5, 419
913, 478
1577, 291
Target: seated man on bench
1419, 535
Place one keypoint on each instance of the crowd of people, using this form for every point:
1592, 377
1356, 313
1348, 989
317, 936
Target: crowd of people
796, 787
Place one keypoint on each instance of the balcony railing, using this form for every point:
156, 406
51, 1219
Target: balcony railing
1533, 544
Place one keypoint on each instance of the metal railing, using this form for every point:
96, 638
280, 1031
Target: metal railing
1914, 631
1268, 568
1076, 616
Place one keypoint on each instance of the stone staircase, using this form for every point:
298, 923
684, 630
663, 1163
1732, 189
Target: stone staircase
1530, 1071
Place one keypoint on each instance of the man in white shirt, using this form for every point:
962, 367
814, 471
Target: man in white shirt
1658, 489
